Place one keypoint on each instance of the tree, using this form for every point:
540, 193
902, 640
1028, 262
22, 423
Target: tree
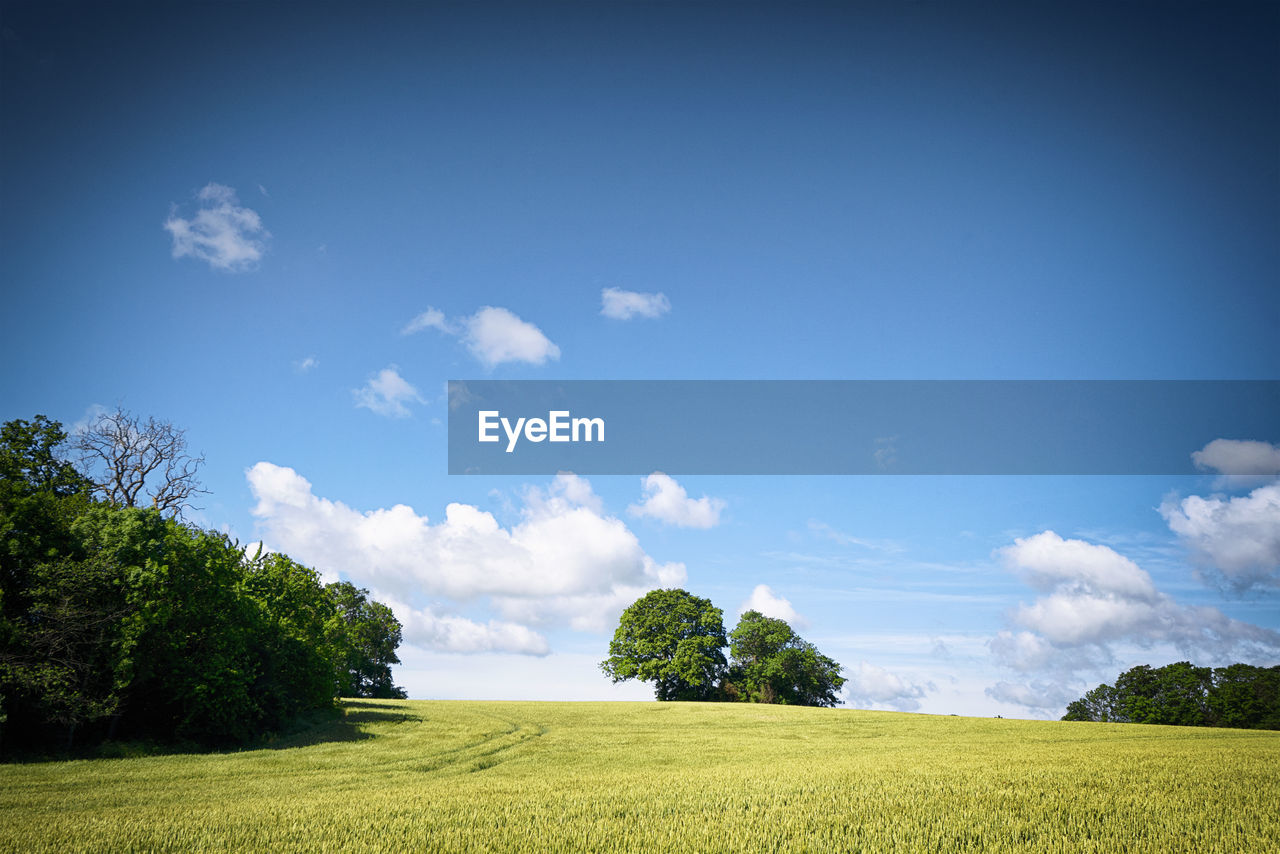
136, 463
364, 634
1099, 704
770, 663
1181, 694
672, 639
30, 460
293, 643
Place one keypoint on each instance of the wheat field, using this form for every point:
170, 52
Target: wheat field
523, 776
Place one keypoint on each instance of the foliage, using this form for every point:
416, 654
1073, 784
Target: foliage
1182, 694
673, 639
772, 664
119, 621
671, 777
365, 635
676, 640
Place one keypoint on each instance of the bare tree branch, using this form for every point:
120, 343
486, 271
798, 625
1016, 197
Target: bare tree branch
131, 461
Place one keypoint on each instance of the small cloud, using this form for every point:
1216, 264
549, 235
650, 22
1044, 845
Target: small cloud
432, 318
886, 452
222, 233
667, 501
764, 600
263, 190
309, 363
91, 414
493, 335
624, 305
1241, 463
386, 393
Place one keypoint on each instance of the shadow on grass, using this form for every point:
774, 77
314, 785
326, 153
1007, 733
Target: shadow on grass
345, 724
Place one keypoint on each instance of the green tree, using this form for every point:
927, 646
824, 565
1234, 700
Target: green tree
1099, 704
770, 663
298, 672
673, 639
364, 635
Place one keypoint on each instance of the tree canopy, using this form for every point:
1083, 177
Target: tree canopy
1181, 694
119, 621
676, 640
772, 664
673, 639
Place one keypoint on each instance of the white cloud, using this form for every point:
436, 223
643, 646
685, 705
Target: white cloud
306, 364
493, 335
1239, 459
624, 305
869, 686
424, 628
1096, 599
1049, 561
432, 318
764, 600
1238, 537
386, 393
667, 501
563, 562
222, 233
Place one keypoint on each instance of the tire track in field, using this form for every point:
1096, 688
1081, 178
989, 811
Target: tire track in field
487, 751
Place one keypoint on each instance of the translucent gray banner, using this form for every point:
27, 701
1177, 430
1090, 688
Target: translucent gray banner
850, 427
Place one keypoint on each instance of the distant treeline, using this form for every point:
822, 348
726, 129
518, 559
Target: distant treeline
123, 622
1182, 694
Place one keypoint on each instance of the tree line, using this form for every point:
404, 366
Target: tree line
677, 640
1181, 694
119, 620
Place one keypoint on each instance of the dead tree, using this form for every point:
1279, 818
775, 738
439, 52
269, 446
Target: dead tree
134, 463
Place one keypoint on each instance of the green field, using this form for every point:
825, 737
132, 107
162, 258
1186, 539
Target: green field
445, 776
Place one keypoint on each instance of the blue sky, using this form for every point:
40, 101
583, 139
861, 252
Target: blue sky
228, 215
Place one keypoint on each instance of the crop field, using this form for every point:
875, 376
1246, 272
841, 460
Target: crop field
453, 776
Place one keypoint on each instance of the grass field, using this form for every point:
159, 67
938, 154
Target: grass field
445, 776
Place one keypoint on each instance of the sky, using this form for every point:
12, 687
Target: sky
285, 227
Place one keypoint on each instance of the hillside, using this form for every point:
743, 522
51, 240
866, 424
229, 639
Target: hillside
436, 775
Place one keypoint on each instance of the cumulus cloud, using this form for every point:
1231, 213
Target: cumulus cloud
667, 501
222, 233
1238, 537
493, 335
1241, 463
870, 685
386, 393
563, 562
425, 629
1048, 561
1095, 598
764, 600
309, 363
624, 305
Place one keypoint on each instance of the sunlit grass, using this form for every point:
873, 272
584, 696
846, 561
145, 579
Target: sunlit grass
442, 776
